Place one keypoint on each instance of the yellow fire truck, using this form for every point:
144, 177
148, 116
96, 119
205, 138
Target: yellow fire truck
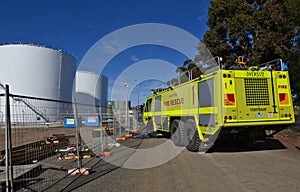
221, 103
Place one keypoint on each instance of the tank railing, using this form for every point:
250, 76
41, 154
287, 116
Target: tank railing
33, 109
2, 86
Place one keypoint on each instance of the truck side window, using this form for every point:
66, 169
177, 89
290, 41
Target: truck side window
148, 105
158, 103
206, 93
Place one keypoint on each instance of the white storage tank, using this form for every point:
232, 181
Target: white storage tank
91, 89
38, 71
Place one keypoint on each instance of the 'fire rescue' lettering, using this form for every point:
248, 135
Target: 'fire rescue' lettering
174, 102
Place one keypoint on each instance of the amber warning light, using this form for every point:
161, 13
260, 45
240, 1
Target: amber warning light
229, 99
283, 98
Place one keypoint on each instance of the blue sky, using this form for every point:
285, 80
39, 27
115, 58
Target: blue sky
75, 26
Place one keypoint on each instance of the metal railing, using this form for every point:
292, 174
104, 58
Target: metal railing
203, 68
214, 64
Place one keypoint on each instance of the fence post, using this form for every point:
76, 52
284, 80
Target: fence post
101, 129
8, 148
77, 133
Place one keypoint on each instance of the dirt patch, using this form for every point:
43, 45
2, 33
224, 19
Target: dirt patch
22, 136
290, 138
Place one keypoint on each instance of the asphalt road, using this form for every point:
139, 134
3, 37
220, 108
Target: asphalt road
227, 167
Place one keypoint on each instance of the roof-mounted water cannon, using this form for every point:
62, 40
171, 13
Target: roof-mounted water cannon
241, 61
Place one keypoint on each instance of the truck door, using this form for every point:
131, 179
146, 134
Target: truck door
206, 105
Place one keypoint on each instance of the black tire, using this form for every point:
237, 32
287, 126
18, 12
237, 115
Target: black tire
189, 131
192, 136
177, 133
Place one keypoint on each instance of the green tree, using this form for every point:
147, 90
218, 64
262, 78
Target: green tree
274, 31
185, 70
231, 25
188, 70
187, 65
259, 30
294, 56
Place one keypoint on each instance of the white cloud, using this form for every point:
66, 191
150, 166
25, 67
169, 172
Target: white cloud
201, 17
134, 58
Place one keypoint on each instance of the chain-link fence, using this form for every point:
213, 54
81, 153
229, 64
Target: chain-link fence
41, 139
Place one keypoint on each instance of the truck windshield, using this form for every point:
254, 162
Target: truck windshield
148, 105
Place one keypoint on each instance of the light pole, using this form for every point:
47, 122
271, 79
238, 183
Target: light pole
138, 102
136, 80
126, 105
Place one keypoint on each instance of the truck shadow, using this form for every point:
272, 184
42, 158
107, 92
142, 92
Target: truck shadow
227, 146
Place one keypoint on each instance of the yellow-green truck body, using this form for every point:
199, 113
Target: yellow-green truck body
232, 100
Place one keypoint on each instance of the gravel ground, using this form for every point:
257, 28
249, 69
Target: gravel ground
276, 160
272, 166
289, 138
22, 136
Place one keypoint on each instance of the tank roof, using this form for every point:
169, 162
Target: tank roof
25, 44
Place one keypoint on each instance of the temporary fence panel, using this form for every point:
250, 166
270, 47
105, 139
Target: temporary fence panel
43, 147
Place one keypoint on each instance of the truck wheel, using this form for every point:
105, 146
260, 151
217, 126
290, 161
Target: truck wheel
194, 143
192, 136
189, 131
177, 132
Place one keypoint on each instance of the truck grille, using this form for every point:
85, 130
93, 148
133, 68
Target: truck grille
256, 91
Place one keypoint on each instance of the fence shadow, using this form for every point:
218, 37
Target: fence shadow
99, 168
